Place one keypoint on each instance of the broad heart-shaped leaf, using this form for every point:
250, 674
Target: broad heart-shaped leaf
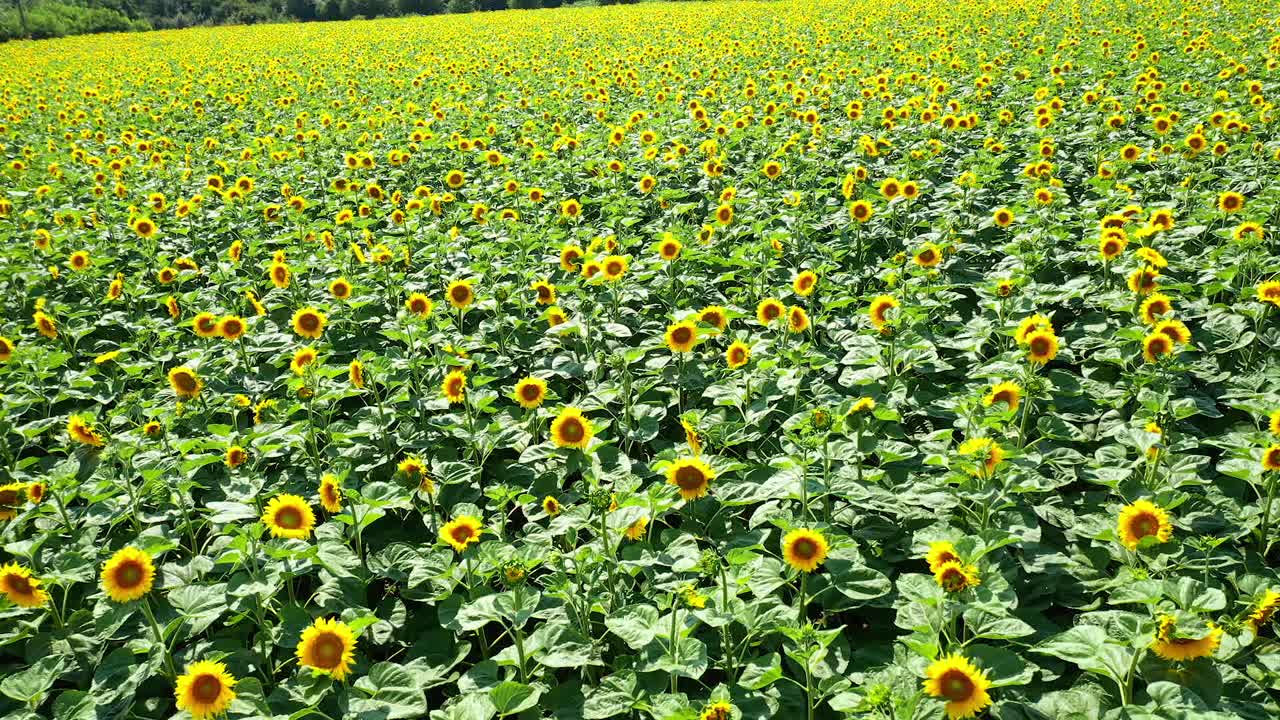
75, 705
120, 674
994, 626
1192, 596
510, 697
31, 683
690, 661
1003, 666
394, 692
635, 624
563, 647
857, 581
760, 672
614, 695
473, 706
1089, 648
199, 605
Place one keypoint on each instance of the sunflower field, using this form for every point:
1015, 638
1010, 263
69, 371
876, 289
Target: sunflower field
688, 361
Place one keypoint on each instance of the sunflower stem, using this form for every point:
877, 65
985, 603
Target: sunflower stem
804, 587
155, 628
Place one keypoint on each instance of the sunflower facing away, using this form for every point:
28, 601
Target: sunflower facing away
964, 687
23, 590
1172, 645
461, 532
289, 516
692, 476
128, 575
205, 690
804, 549
1143, 519
571, 429
328, 647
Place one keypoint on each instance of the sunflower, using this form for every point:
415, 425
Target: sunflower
340, 289
10, 498
880, 307
1156, 345
1271, 459
461, 532
570, 208
1029, 325
1042, 346
45, 325
309, 323
614, 267
144, 227
231, 327
185, 383
1175, 329
327, 647
861, 210
691, 476
717, 711
330, 493
83, 432
1143, 519
1009, 393
1269, 292
289, 516
1112, 243
1273, 422
1264, 610
1002, 217
1171, 646
681, 337
36, 492
544, 292
205, 325
804, 549
356, 374
929, 255
530, 392
460, 294
769, 310
302, 358
737, 354
637, 529
985, 451
715, 316
6, 349
1151, 257
205, 689
954, 576
23, 590
797, 319
128, 575
419, 304
551, 506
569, 257
1144, 280
1230, 202
412, 467
941, 553
454, 386
805, 283
79, 260
236, 456
724, 214
1154, 306
669, 248
571, 429
954, 679
279, 274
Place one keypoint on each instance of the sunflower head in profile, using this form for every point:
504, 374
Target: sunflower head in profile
1007, 393
461, 532
23, 590
128, 575
530, 392
309, 323
941, 553
681, 337
805, 549
205, 689
454, 386
962, 685
328, 647
691, 476
80, 429
1179, 642
985, 453
1143, 519
1264, 610
544, 292
331, 493
289, 516
955, 576
879, 310
571, 429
